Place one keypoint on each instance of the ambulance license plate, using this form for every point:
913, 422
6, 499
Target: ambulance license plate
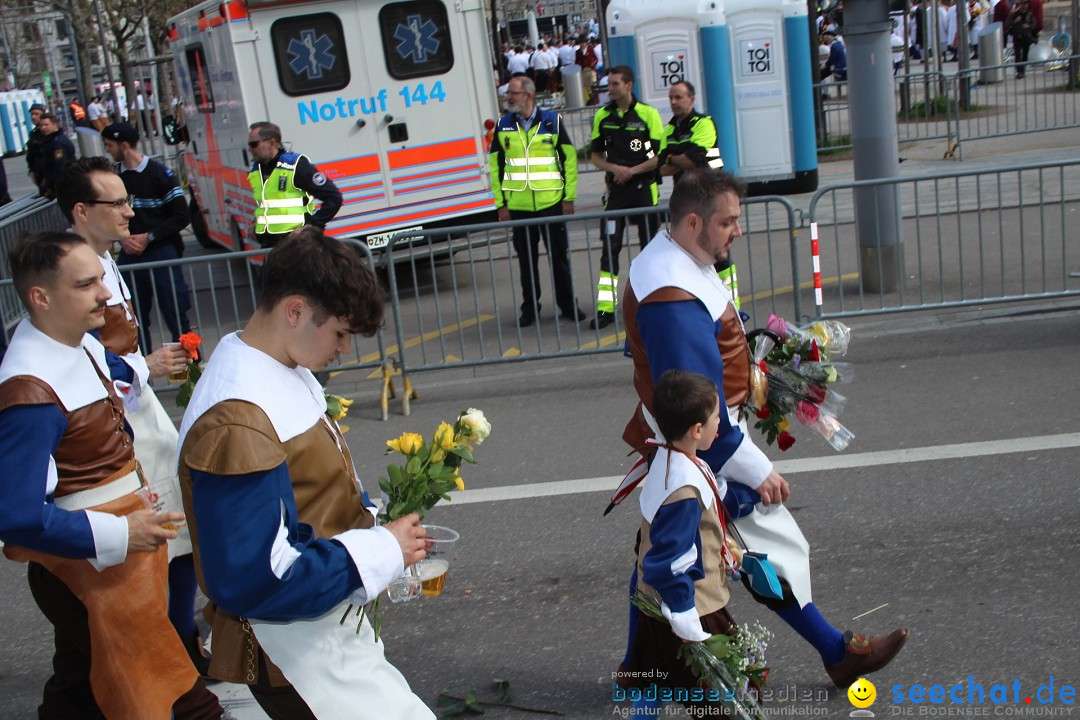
383, 239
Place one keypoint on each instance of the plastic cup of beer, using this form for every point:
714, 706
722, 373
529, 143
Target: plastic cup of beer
439, 545
180, 376
163, 497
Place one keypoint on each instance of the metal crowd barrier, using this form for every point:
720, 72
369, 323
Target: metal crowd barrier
968, 238
922, 107
1039, 101
456, 300
222, 293
27, 214
578, 123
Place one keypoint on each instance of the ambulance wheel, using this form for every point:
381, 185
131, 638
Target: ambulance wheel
198, 226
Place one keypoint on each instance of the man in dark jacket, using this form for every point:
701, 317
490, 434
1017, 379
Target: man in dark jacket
160, 215
55, 152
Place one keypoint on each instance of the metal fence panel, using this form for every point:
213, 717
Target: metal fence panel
223, 295
1039, 101
27, 214
462, 309
969, 238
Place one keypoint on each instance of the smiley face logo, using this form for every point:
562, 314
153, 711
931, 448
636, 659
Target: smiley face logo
862, 693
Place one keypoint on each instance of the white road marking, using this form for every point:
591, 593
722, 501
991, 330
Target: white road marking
787, 467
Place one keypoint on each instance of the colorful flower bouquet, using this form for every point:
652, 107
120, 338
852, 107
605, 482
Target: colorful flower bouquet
792, 370
734, 665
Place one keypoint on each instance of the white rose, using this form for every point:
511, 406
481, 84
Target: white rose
479, 427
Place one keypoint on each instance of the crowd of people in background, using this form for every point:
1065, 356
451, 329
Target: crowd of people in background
1021, 21
543, 62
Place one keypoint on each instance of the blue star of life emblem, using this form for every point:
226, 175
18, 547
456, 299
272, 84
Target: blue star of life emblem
416, 38
311, 55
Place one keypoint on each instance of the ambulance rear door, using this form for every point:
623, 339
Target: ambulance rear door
383, 99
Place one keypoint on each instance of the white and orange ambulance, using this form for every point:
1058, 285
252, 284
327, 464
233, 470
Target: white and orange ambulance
392, 101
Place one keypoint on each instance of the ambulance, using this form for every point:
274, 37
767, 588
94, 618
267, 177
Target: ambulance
392, 101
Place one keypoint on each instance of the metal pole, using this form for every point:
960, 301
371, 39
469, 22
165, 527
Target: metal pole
7, 55
105, 54
963, 54
85, 98
1074, 47
872, 108
52, 69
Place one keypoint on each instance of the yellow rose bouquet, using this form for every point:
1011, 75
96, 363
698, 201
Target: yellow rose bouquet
431, 470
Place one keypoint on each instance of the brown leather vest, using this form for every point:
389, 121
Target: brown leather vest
327, 498
95, 446
120, 335
710, 592
138, 669
733, 350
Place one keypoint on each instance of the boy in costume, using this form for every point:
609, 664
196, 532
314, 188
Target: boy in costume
682, 555
283, 539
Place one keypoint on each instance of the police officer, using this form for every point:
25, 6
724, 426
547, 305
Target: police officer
35, 144
690, 142
534, 175
286, 186
627, 138
56, 152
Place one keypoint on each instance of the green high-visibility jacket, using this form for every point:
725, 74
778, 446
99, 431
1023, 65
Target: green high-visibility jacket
532, 169
279, 204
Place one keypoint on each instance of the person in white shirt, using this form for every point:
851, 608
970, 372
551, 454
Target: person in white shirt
96, 113
567, 53
948, 31
541, 64
518, 63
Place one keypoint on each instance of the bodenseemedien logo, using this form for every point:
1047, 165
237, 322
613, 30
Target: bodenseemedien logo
862, 695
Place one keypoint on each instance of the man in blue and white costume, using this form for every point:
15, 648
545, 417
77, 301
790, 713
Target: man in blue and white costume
68, 503
283, 538
96, 202
678, 314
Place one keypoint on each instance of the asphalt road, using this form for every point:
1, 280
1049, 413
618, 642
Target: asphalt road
954, 512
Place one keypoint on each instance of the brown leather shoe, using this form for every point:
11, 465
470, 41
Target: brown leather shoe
864, 655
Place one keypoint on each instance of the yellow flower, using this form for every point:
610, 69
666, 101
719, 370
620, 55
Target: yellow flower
407, 444
458, 481
784, 425
444, 437
343, 408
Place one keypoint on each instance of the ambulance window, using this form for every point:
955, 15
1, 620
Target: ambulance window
200, 79
416, 39
310, 53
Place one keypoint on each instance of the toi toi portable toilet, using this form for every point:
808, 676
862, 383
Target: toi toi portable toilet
749, 61
15, 124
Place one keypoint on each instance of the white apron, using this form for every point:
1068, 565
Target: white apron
155, 449
340, 674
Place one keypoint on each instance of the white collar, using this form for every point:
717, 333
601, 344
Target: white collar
138, 168
114, 281
663, 480
67, 370
292, 398
664, 263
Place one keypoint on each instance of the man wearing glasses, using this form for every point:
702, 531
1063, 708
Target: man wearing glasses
160, 214
286, 187
534, 175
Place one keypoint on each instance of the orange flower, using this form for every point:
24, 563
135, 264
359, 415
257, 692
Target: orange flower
191, 342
